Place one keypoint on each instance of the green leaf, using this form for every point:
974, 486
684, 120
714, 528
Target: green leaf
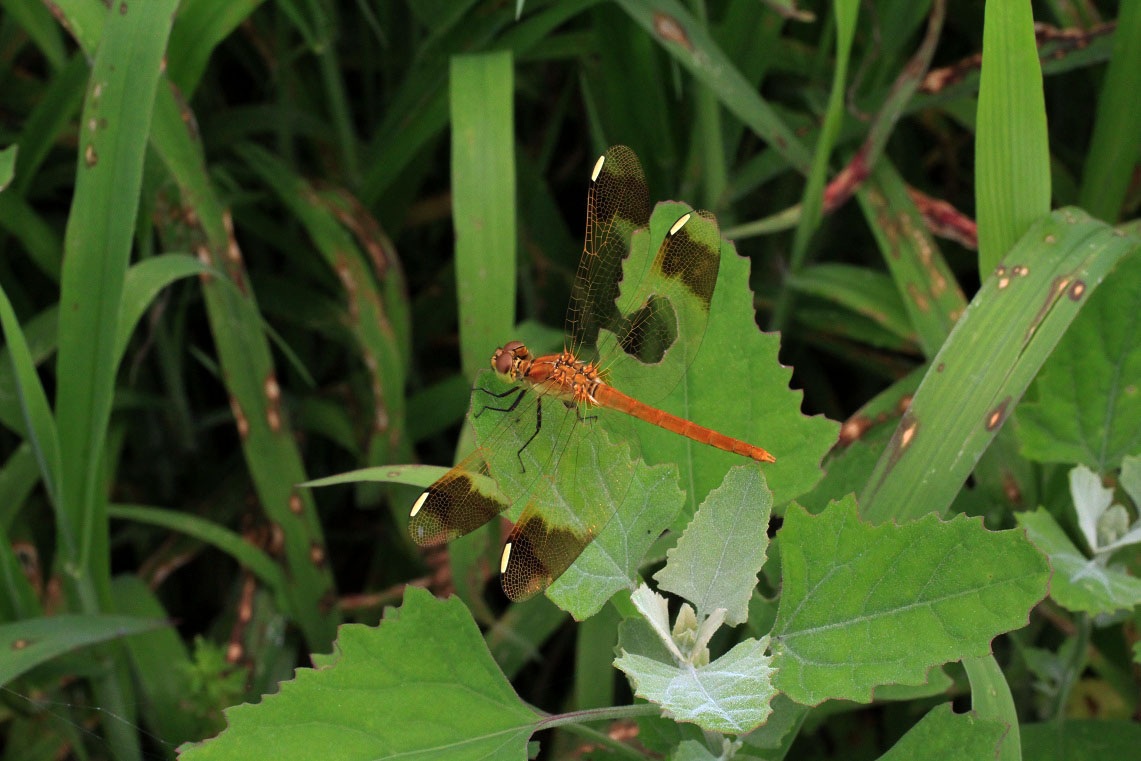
1086, 405
249, 555
36, 641
869, 605
7, 166
716, 560
1080, 740
731, 694
35, 411
1012, 155
736, 385
161, 663
1130, 478
420, 684
482, 93
992, 700
143, 282
945, 735
650, 503
1116, 141
866, 292
412, 475
993, 353
683, 37
924, 283
1079, 584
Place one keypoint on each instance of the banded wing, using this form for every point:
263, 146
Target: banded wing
617, 205
647, 316
544, 469
488, 482
671, 300
654, 308
664, 314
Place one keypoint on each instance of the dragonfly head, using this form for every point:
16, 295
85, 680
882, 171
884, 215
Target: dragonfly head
508, 359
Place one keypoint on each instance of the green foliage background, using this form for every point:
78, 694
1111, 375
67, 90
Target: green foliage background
252, 244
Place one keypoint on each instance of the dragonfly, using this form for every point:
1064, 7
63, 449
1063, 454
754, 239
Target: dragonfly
666, 311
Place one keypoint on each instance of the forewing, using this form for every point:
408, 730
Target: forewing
617, 204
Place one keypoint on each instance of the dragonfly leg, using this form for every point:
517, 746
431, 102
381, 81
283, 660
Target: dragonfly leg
514, 402
578, 411
527, 443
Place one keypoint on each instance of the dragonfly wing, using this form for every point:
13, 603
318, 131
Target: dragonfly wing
570, 507
617, 204
538, 551
458, 503
521, 432
665, 315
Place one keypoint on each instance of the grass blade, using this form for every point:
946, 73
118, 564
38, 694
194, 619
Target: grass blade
483, 187
991, 356
1116, 141
1012, 157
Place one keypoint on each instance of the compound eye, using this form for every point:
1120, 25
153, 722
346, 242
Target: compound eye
503, 360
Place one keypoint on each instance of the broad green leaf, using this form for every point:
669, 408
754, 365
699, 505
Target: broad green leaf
36, 641
611, 561
730, 694
780, 730
1080, 740
736, 385
991, 356
693, 750
716, 560
421, 684
938, 683
945, 735
867, 605
1079, 584
1086, 405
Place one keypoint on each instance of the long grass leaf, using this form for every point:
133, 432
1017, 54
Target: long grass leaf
37, 414
991, 356
1012, 158
483, 196
1116, 142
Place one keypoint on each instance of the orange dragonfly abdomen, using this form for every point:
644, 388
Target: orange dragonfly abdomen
608, 396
